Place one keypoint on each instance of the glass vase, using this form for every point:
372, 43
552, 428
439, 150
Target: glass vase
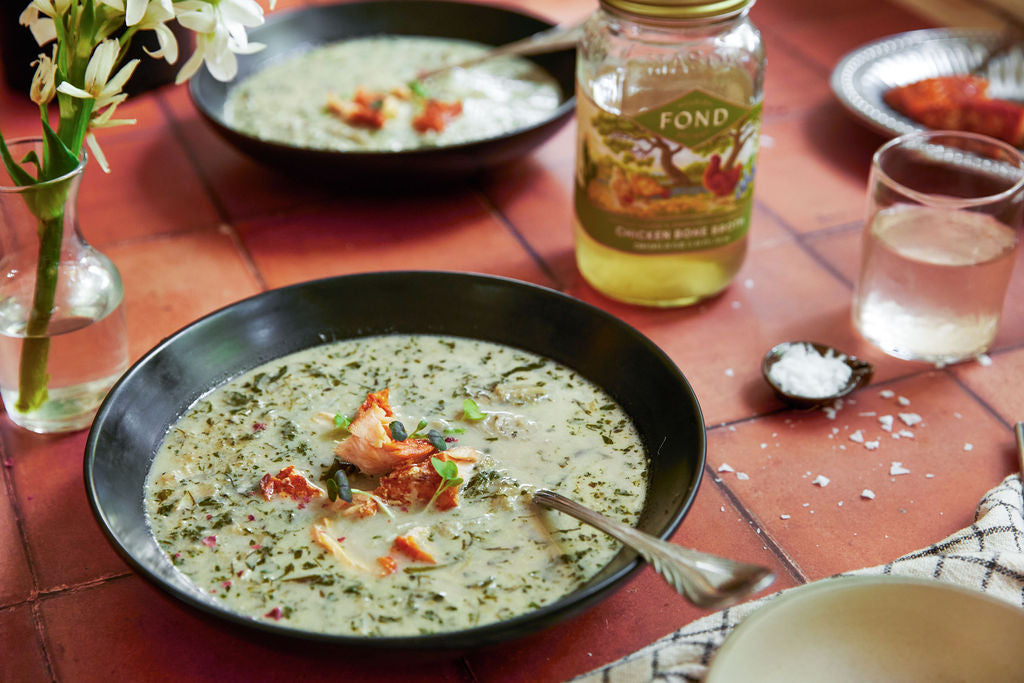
63, 342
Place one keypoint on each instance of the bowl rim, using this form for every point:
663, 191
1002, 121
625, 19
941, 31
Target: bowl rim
568, 605
838, 584
565, 108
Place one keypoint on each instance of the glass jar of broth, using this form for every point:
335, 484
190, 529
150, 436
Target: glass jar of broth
668, 112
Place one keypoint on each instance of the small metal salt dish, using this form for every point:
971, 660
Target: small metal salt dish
860, 374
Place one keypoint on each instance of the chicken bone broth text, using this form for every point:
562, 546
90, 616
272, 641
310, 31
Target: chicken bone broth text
355, 95
374, 486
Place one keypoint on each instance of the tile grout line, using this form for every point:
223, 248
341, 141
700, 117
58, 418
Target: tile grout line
769, 541
982, 402
801, 241
33, 598
226, 226
510, 226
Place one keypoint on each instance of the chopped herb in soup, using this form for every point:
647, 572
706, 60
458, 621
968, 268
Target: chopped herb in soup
376, 486
363, 95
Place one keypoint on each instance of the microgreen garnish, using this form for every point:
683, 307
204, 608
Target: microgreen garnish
436, 439
471, 411
398, 432
338, 487
417, 89
449, 472
342, 422
420, 426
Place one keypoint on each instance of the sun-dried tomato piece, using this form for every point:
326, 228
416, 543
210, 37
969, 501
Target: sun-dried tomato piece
407, 545
436, 115
289, 483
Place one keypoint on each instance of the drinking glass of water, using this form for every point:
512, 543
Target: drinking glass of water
944, 220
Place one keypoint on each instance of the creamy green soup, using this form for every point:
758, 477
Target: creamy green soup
287, 101
313, 564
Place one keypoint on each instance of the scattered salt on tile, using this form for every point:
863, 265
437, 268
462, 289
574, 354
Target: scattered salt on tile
783, 516
835, 430
735, 304
869, 413
806, 505
732, 428
725, 467
887, 393
729, 372
958, 416
857, 436
840, 503
723, 508
742, 476
821, 480
910, 419
871, 445
895, 435
903, 401
830, 413
886, 422
748, 283
929, 476
984, 360
763, 446
842, 447
867, 493
968, 446
898, 468
906, 434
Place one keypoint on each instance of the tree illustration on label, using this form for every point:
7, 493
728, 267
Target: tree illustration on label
689, 145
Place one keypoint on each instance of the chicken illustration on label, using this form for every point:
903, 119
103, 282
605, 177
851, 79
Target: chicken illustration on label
675, 178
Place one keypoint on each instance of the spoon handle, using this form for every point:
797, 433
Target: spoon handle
705, 580
550, 40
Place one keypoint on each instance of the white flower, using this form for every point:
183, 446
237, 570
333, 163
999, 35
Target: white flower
155, 19
43, 28
220, 27
44, 81
98, 82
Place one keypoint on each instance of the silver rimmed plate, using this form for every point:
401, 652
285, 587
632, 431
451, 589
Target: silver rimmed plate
864, 75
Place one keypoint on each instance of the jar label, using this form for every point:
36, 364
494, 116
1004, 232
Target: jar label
673, 179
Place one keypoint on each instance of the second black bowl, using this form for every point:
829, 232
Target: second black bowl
300, 30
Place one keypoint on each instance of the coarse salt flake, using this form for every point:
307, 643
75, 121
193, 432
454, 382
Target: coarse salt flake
906, 433
968, 446
984, 360
802, 371
897, 468
821, 480
725, 467
729, 372
910, 419
867, 493
903, 400
886, 422
887, 393
872, 445
742, 476
783, 516
857, 436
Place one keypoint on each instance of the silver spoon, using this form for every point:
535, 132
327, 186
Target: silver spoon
705, 580
549, 40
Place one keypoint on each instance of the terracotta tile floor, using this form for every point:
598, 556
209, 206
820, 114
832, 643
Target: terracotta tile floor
194, 225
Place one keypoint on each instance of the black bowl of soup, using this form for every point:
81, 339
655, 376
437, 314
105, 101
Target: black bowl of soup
293, 104
536, 351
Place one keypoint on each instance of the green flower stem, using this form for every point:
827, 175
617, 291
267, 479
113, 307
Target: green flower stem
35, 350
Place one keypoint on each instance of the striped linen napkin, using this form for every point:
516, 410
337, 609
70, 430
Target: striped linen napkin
988, 555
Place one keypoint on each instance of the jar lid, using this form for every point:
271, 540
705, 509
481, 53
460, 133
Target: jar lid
679, 9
